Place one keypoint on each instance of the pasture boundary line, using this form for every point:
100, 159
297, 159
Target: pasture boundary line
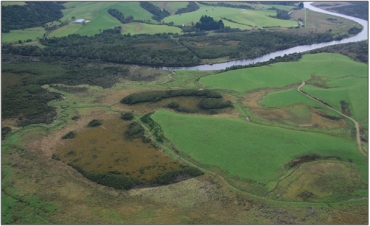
358, 138
277, 184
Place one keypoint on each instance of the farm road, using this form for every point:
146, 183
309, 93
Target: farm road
362, 150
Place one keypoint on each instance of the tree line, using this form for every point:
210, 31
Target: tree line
158, 14
119, 16
207, 23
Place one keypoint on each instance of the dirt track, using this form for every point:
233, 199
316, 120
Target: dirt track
358, 138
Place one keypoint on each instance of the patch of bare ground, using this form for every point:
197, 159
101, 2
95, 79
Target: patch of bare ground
12, 123
283, 114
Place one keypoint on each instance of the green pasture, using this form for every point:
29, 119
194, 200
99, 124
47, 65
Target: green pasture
259, 18
250, 151
285, 98
97, 14
353, 90
171, 7
141, 28
66, 30
4, 3
281, 74
28, 33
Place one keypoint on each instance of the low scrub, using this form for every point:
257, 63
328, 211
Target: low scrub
69, 135
154, 96
94, 123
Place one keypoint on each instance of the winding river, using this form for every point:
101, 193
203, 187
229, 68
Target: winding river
363, 35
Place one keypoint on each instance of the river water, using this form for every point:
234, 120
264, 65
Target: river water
363, 35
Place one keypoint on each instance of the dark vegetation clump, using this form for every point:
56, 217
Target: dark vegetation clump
173, 105
308, 158
121, 181
192, 6
306, 195
207, 23
154, 96
135, 130
75, 117
69, 135
94, 123
154, 127
32, 14
127, 116
4, 131
213, 103
158, 14
177, 175
345, 108
230, 5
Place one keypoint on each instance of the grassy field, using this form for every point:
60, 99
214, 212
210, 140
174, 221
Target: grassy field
23, 35
141, 28
244, 152
97, 14
171, 7
281, 74
353, 90
286, 98
4, 3
256, 18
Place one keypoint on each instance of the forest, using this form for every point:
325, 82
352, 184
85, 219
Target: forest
32, 14
158, 14
167, 49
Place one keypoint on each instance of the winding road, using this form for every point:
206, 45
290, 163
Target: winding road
358, 138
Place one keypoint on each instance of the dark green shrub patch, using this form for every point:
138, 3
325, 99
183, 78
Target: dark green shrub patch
69, 135
4, 131
177, 175
94, 123
154, 96
127, 116
134, 130
212, 103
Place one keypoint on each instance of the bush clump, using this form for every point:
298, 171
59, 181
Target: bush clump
127, 116
177, 175
154, 96
94, 123
213, 103
4, 131
134, 130
69, 135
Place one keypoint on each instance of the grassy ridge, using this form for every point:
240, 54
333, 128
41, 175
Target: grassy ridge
250, 151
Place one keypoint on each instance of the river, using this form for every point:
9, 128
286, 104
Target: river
363, 35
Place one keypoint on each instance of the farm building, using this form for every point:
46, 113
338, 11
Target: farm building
79, 21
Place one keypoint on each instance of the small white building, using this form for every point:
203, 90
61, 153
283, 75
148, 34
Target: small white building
79, 21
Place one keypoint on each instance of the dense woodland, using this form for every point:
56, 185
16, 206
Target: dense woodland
119, 16
32, 14
165, 49
207, 23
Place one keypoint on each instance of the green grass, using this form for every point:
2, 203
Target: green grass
3, 3
281, 74
141, 28
350, 89
66, 30
248, 150
171, 7
97, 14
259, 18
285, 98
28, 33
